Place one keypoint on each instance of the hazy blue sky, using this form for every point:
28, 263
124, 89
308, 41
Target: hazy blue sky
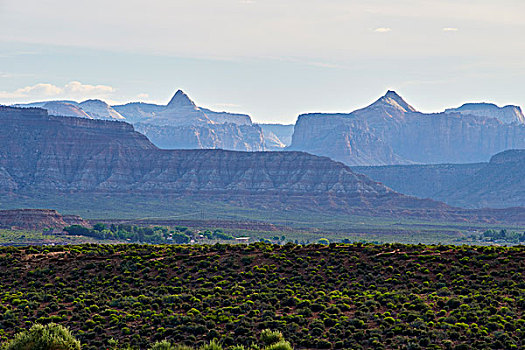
271, 59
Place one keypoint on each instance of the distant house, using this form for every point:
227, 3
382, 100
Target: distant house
242, 239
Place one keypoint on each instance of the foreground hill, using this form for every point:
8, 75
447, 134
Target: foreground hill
321, 297
41, 154
390, 131
497, 184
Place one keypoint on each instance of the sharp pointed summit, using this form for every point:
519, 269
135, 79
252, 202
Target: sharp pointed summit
180, 99
392, 98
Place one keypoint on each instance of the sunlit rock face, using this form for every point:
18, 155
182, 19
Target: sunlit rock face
390, 131
508, 114
181, 124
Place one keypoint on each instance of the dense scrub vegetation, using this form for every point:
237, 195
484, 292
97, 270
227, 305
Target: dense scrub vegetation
338, 296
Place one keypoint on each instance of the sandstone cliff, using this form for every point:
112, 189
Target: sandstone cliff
64, 156
181, 124
390, 131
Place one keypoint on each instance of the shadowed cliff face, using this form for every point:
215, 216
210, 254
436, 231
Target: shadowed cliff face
497, 184
390, 131
45, 154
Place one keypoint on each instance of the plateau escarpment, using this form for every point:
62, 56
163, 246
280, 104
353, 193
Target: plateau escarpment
63, 156
499, 183
37, 219
390, 131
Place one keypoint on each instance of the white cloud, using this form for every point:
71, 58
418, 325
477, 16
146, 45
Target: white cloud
143, 96
40, 90
76, 87
382, 30
450, 29
71, 90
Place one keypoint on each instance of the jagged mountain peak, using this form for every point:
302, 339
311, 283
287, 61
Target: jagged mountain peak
180, 99
393, 99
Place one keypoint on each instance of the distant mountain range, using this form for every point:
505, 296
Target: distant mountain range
499, 183
178, 125
390, 131
66, 156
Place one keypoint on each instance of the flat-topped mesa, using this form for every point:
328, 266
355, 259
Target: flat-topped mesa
507, 114
24, 113
39, 126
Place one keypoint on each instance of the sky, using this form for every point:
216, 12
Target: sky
271, 59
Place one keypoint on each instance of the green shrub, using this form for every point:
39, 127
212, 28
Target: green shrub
281, 345
269, 337
213, 345
48, 337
